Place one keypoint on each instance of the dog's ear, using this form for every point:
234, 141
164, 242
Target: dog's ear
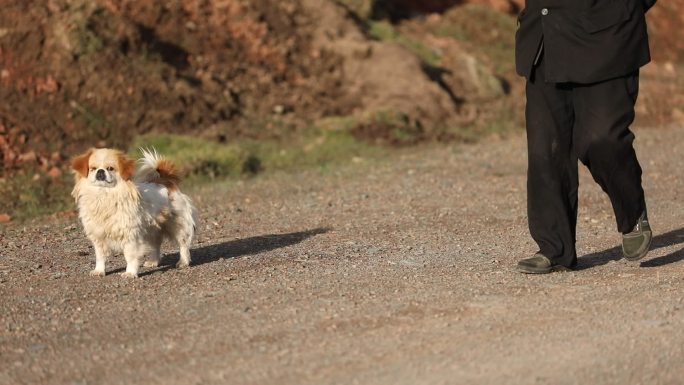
126, 166
80, 164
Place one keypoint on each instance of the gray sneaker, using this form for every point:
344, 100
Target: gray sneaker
636, 243
538, 264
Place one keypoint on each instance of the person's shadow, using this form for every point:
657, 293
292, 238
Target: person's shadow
671, 238
237, 248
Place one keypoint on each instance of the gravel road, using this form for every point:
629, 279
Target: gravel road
392, 271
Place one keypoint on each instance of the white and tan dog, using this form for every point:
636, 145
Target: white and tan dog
130, 211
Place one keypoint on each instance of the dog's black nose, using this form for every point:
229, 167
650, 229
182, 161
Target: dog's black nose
100, 175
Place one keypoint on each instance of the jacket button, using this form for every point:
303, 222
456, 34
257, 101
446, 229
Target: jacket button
545, 11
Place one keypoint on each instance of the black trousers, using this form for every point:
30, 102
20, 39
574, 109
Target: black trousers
590, 122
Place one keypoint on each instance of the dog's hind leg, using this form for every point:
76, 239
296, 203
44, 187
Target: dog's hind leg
184, 239
184, 246
153, 259
184, 228
133, 253
155, 255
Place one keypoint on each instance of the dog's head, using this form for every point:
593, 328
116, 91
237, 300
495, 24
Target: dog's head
103, 167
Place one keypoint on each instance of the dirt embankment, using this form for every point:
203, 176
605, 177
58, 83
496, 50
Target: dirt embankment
81, 71
75, 73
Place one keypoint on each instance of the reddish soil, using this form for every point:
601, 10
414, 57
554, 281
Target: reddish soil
82, 72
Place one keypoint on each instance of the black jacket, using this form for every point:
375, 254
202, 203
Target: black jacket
584, 41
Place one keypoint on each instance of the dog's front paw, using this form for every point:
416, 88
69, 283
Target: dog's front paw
151, 263
128, 274
182, 264
97, 273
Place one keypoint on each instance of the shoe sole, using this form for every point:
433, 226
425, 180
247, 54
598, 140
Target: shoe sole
547, 270
643, 253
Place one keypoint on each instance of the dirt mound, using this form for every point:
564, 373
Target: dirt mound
81, 71
381, 77
76, 73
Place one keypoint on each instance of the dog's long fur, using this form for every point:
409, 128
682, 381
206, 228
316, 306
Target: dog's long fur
130, 211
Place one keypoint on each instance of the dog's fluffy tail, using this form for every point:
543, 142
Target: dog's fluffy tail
155, 169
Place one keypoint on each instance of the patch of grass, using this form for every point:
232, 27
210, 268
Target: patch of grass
487, 31
201, 160
29, 193
204, 159
197, 157
384, 31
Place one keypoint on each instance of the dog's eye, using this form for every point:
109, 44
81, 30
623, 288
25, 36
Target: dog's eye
92, 169
110, 168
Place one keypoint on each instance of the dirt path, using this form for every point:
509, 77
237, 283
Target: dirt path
382, 272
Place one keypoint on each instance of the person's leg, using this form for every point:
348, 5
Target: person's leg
603, 142
552, 170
